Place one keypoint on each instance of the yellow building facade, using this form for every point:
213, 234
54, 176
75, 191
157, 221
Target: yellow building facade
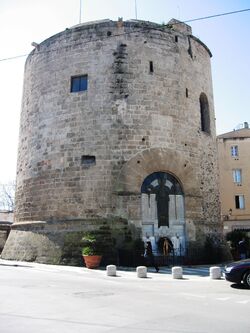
234, 169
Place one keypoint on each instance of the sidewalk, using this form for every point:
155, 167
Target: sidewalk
128, 272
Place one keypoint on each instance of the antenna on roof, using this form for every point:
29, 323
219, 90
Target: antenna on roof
179, 12
135, 9
80, 13
241, 126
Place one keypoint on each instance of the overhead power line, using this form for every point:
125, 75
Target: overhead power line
216, 15
15, 57
136, 31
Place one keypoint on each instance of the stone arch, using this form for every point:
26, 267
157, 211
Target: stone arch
135, 170
152, 160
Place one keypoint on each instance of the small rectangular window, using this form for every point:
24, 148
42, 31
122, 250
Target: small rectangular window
176, 39
237, 176
234, 151
88, 160
239, 202
79, 83
151, 67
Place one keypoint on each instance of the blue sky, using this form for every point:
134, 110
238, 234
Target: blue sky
25, 21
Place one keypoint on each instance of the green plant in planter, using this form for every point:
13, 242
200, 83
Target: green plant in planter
88, 251
91, 245
91, 251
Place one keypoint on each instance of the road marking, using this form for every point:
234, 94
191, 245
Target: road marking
243, 302
223, 298
193, 295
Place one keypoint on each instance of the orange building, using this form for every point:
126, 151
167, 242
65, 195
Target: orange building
234, 168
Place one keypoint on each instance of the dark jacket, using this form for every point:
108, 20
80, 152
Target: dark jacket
148, 249
242, 247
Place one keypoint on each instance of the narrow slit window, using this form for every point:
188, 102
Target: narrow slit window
151, 67
176, 39
187, 92
204, 114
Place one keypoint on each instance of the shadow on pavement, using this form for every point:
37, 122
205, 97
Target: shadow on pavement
15, 265
239, 286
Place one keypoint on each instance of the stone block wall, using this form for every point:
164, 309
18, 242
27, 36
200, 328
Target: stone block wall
140, 114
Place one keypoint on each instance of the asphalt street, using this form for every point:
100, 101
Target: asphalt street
45, 298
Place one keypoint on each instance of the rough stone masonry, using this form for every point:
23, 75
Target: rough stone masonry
117, 118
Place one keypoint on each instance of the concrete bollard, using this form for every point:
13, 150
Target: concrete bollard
111, 270
177, 272
215, 272
141, 271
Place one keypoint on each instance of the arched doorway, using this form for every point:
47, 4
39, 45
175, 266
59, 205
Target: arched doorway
163, 213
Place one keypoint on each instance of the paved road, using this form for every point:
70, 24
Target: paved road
42, 298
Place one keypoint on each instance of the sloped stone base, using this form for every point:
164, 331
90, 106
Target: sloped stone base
57, 242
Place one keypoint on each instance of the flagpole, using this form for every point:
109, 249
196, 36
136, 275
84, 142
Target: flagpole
135, 10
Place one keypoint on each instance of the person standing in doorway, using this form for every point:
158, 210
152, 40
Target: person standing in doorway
243, 248
149, 255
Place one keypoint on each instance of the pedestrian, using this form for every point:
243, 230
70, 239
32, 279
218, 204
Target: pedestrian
243, 248
167, 246
149, 255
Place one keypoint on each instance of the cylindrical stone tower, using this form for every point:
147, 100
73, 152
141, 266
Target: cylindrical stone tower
117, 124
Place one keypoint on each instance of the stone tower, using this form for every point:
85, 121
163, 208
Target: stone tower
117, 124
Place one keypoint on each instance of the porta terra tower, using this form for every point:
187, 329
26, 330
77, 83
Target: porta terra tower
117, 130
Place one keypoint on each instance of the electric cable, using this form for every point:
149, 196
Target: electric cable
135, 31
216, 15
